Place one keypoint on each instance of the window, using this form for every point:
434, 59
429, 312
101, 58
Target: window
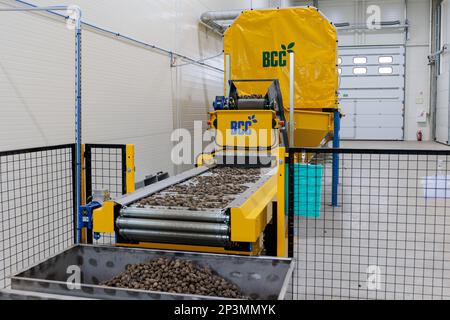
385, 60
339, 61
385, 70
360, 60
359, 70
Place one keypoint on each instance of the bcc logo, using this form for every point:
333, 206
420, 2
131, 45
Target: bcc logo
277, 58
242, 128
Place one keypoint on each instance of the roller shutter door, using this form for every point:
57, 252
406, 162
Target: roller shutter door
372, 92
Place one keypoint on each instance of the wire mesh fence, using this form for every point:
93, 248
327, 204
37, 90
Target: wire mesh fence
37, 208
105, 177
387, 238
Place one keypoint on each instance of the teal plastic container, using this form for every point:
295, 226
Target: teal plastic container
307, 190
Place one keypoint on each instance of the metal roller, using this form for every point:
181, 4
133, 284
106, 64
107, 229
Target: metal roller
251, 104
174, 237
166, 214
176, 226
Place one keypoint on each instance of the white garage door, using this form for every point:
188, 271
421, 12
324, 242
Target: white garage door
443, 81
372, 92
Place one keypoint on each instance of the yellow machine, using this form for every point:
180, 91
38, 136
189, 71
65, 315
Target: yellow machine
250, 123
257, 46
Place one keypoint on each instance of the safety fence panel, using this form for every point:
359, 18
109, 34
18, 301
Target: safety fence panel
37, 206
389, 235
105, 177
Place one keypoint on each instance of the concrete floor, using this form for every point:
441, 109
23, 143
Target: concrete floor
385, 240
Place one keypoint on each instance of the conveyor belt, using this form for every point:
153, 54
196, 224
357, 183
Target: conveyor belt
191, 210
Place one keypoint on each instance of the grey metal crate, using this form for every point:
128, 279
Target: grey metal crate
257, 277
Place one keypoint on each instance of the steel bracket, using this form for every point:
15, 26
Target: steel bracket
85, 215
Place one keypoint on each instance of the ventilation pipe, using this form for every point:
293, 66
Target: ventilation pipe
211, 19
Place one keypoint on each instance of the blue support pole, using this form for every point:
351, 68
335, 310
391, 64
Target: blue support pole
78, 118
336, 145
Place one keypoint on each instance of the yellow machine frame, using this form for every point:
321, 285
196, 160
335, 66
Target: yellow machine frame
248, 221
254, 50
260, 133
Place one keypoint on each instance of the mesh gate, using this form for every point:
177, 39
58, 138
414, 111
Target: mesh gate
37, 206
388, 238
105, 177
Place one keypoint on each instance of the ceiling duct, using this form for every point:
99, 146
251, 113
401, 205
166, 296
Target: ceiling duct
212, 19
219, 21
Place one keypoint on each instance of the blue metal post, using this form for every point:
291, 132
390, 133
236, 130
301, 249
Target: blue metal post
78, 116
336, 145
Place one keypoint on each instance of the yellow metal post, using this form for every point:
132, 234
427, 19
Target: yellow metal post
281, 200
131, 169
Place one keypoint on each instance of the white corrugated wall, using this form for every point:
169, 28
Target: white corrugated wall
36, 81
130, 94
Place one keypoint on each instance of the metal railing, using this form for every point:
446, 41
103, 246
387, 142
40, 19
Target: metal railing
37, 206
387, 238
105, 171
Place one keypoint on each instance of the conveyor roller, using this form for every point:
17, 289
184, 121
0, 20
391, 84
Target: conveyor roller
174, 237
183, 211
176, 226
252, 104
165, 214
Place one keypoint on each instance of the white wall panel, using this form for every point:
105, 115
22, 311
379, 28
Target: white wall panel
130, 94
380, 121
385, 134
355, 13
370, 94
127, 98
443, 83
36, 86
393, 81
380, 107
148, 20
417, 69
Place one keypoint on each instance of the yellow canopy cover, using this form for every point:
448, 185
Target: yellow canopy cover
259, 43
